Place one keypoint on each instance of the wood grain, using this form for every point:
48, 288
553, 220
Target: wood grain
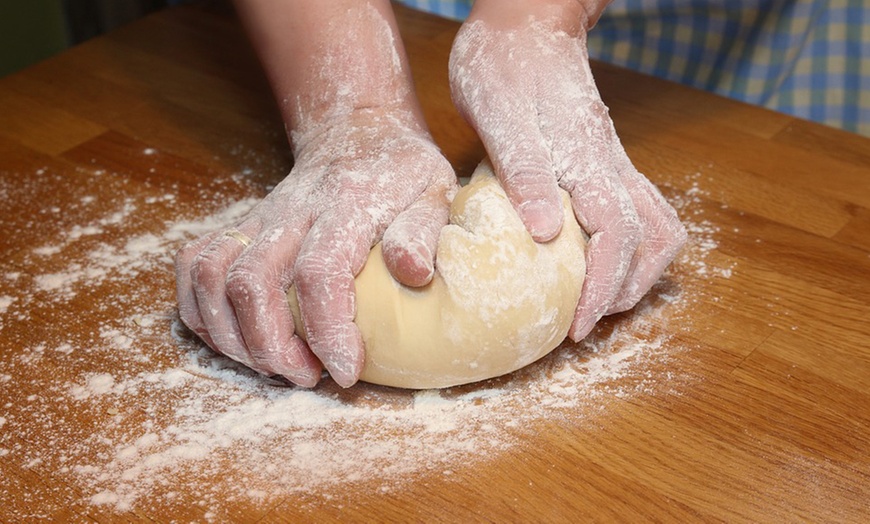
762, 416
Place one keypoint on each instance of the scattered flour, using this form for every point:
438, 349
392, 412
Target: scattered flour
155, 411
5, 302
97, 384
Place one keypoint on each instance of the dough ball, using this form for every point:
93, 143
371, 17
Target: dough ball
498, 300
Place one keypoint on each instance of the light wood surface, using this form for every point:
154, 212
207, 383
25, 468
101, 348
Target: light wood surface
759, 410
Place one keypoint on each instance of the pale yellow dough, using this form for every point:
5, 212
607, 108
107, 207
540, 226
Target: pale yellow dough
498, 300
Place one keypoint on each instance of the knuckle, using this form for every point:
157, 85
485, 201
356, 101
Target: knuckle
186, 253
316, 267
332, 254
207, 268
672, 240
674, 234
598, 108
242, 283
631, 230
314, 264
189, 315
667, 238
527, 173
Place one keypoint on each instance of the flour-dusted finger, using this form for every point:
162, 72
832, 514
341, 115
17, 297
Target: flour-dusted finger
333, 253
257, 286
410, 242
606, 212
663, 236
508, 125
188, 308
526, 172
208, 274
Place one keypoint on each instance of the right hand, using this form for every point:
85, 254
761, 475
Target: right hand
371, 175
520, 74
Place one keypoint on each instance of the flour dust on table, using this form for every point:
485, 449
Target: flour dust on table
130, 411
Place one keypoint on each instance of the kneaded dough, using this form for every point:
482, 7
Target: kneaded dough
498, 300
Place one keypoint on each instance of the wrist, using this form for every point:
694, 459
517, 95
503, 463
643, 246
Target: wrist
571, 16
377, 126
325, 61
351, 98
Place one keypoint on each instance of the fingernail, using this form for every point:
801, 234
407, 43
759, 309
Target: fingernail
541, 219
344, 373
424, 255
305, 378
342, 377
584, 328
579, 333
296, 363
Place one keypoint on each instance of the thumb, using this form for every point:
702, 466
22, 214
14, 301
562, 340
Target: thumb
523, 164
410, 242
499, 105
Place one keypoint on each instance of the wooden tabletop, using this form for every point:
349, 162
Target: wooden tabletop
739, 390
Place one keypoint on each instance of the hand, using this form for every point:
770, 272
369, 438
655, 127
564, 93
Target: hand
365, 170
372, 174
525, 85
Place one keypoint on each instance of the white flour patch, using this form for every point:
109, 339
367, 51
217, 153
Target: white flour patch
47, 250
124, 406
5, 302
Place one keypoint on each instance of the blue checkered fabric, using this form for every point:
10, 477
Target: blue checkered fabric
455, 9
808, 58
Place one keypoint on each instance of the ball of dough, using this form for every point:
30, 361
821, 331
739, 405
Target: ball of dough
498, 300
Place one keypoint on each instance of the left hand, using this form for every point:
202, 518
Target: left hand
365, 177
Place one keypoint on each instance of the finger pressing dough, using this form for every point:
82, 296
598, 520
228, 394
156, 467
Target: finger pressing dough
498, 300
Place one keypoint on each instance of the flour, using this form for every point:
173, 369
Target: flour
160, 419
5, 302
47, 250
96, 384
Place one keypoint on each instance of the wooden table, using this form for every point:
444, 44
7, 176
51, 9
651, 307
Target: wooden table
740, 391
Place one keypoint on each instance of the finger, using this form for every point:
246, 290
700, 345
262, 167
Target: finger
332, 254
604, 209
519, 153
208, 273
663, 237
257, 286
410, 242
522, 164
188, 309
